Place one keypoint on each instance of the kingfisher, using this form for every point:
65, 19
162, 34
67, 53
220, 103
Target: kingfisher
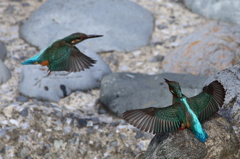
63, 55
183, 113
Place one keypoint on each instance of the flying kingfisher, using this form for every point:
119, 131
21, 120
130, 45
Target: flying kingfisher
184, 112
63, 55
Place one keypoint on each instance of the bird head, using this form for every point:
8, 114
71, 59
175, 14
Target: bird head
75, 38
174, 88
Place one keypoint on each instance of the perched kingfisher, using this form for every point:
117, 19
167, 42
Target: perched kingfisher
63, 55
184, 112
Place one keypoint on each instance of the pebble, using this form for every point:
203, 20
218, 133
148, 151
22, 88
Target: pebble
24, 112
15, 122
25, 125
22, 99
139, 135
114, 143
67, 129
2, 132
58, 144
101, 111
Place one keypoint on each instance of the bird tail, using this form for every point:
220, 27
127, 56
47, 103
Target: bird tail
32, 60
201, 136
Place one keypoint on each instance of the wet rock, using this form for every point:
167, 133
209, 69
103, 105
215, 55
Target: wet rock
210, 48
36, 84
222, 142
230, 79
225, 10
125, 91
58, 19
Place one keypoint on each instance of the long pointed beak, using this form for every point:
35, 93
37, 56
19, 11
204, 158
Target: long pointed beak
93, 36
166, 80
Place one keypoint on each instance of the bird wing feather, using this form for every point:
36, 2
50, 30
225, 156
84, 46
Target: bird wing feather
155, 120
208, 101
77, 61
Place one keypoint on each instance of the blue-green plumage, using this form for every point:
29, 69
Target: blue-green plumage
63, 55
184, 112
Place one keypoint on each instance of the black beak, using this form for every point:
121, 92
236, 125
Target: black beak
93, 36
166, 80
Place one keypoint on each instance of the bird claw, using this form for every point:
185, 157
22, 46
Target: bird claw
182, 127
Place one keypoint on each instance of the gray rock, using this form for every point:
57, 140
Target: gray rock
125, 91
182, 144
125, 25
22, 99
35, 83
24, 112
3, 51
230, 79
225, 10
5, 73
2, 132
210, 48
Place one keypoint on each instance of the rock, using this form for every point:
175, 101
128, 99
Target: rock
120, 92
24, 112
125, 25
230, 79
35, 83
22, 99
225, 10
222, 143
209, 49
3, 51
5, 73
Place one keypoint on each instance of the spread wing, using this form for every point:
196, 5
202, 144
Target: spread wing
155, 120
77, 61
64, 57
208, 101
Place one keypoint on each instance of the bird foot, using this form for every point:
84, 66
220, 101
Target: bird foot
182, 127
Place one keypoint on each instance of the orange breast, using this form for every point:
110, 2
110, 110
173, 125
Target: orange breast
44, 63
188, 125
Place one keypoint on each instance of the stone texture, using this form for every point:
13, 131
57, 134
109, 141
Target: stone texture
120, 92
3, 51
182, 144
209, 49
36, 84
225, 10
125, 25
230, 79
5, 73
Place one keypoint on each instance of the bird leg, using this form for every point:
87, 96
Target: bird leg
182, 126
49, 72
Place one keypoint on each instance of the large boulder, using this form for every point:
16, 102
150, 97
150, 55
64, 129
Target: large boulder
212, 47
230, 79
125, 25
225, 10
